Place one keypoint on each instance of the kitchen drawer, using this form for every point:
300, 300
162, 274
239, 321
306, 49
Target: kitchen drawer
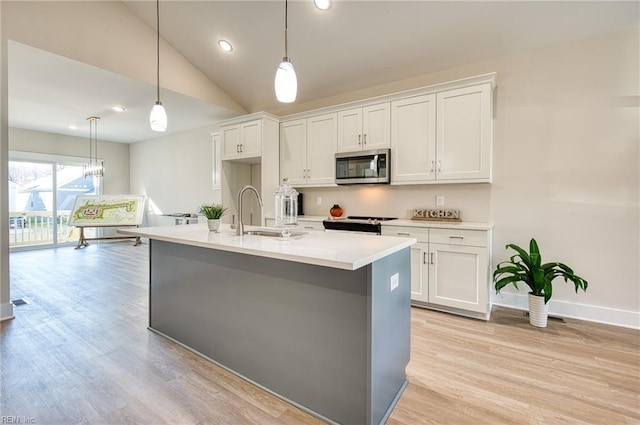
420, 233
311, 225
459, 237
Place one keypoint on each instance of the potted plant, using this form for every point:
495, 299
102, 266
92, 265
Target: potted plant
527, 267
213, 212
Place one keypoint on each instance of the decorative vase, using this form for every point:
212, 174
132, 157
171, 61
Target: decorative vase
335, 211
538, 311
213, 224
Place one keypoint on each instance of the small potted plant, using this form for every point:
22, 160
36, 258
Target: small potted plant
213, 212
527, 267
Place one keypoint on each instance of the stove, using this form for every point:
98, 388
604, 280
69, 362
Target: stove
355, 223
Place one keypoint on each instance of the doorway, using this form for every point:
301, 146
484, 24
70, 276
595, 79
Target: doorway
41, 196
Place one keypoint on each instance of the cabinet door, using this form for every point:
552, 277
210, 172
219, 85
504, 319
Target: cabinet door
230, 142
419, 272
216, 164
464, 134
321, 149
376, 126
413, 137
457, 277
350, 130
251, 139
293, 151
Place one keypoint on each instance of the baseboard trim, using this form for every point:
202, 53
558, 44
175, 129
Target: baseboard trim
6, 312
590, 313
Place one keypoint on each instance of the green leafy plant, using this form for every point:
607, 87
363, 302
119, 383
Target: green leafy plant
527, 267
213, 211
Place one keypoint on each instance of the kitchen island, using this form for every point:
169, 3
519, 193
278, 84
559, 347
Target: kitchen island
321, 320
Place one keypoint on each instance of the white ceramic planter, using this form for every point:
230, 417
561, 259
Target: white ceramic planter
213, 224
538, 311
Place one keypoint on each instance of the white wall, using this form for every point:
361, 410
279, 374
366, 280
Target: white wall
566, 169
174, 171
115, 155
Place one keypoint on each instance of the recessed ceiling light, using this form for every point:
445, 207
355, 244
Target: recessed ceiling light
118, 108
225, 45
72, 127
322, 4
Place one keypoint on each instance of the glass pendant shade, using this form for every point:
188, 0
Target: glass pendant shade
158, 117
286, 82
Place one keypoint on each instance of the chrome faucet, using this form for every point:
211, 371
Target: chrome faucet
240, 226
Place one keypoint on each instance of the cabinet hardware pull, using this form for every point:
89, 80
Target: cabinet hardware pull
365, 139
359, 138
241, 147
439, 166
431, 257
403, 234
456, 237
432, 164
237, 148
424, 258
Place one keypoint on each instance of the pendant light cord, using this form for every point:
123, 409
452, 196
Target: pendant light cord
158, 50
286, 55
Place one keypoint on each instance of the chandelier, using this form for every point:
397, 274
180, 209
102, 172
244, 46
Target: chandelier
94, 167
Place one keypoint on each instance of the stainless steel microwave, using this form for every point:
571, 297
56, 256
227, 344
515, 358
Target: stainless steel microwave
363, 167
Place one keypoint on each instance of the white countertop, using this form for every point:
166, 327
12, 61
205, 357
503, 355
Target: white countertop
466, 225
330, 249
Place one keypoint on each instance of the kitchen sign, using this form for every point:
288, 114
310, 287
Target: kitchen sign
436, 215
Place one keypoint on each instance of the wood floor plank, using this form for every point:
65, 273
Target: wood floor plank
80, 353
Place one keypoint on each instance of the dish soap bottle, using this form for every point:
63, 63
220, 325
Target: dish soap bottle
286, 200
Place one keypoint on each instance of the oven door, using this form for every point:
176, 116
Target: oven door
366, 167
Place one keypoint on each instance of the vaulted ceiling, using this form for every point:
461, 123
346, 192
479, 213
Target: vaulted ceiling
354, 45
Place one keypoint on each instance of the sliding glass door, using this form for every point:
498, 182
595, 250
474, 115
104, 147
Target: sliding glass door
41, 196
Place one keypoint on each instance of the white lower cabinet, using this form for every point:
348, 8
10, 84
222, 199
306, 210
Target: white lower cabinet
449, 269
419, 272
457, 277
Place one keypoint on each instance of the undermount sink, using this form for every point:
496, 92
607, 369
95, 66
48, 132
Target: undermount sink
270, 233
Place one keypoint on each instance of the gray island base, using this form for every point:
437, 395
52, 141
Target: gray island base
333, 342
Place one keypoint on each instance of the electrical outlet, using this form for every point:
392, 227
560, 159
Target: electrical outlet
318, 200
394, 281
440, 201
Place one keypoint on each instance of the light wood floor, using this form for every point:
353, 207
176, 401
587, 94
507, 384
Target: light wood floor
80, 353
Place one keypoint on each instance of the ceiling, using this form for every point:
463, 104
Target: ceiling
354, 45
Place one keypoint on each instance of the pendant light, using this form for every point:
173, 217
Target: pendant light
286, 81
158, 116
94, 167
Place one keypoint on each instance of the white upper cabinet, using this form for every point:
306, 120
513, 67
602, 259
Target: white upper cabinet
243, 140
443, 137
464, 134
307, 150
364, 128
293, 151
216, 174
321, 149
413, 139
437, 134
